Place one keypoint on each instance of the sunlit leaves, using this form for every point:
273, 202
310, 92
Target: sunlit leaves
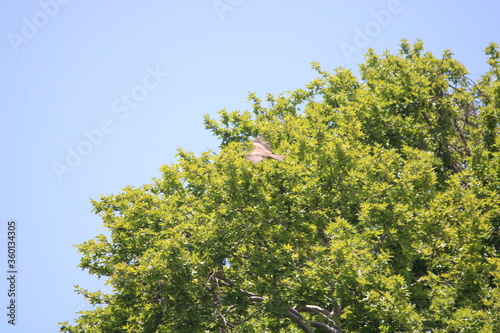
383, 217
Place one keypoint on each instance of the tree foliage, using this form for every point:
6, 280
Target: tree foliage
383, 217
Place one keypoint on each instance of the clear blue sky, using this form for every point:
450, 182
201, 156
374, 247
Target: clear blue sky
124, 83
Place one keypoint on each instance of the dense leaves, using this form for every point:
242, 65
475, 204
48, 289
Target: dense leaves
383, 217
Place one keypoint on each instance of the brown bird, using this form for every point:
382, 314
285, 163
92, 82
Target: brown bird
261, 150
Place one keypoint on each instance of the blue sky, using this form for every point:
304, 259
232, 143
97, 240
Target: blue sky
98, 95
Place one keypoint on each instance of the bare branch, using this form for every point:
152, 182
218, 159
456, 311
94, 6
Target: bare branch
315, 309
324, 327
325, 314
299, 320
305, 324
293, 313
336, 310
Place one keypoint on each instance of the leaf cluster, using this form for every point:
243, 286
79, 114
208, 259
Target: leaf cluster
383, 217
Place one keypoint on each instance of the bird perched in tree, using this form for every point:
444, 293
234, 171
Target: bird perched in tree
262, 150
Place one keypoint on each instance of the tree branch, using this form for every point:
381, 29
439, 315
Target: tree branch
299, 320
462, 137
318, 310
324, 327
325, 314
306, 324
294, 313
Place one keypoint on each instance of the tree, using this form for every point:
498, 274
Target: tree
383, 217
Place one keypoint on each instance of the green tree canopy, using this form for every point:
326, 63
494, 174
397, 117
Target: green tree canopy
383, 217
